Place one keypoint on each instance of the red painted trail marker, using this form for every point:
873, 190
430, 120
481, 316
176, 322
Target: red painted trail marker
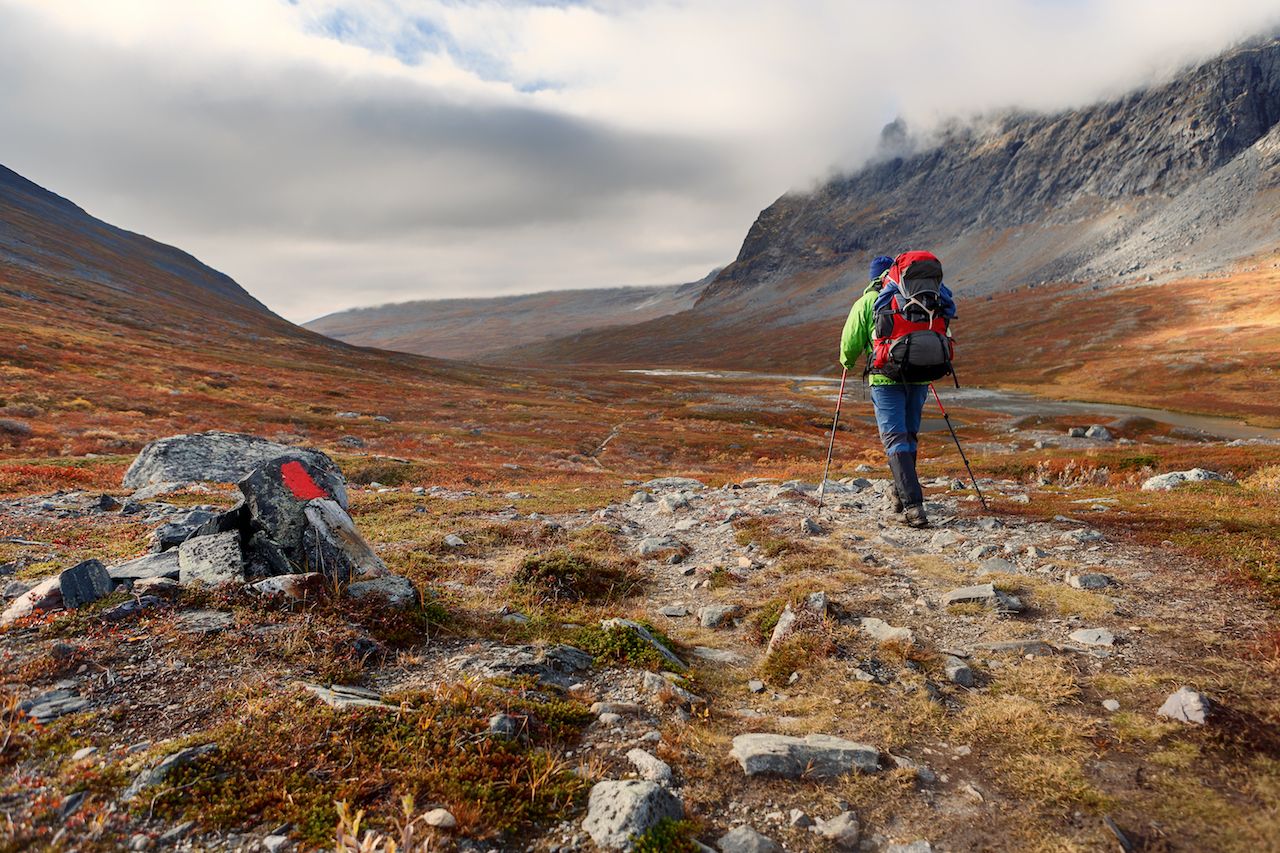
300, 483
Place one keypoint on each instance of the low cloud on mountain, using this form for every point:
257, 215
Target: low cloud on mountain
347, 152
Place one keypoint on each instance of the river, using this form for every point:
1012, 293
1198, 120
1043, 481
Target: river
1016, 404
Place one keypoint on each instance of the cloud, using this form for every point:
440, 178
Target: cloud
330, 153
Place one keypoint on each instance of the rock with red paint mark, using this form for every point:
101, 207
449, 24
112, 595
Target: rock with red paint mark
223, 457
276, 494
333, 546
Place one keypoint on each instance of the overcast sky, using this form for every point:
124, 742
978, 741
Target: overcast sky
335, 153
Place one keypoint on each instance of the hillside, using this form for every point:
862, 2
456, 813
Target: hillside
471, 329
1170, 183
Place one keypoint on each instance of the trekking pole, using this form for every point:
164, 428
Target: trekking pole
822, 489
947, 418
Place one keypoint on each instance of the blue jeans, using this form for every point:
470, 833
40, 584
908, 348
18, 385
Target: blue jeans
898, 409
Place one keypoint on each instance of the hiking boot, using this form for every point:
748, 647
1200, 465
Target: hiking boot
915, 517
895, 501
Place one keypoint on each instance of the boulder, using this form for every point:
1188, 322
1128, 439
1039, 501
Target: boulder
1099, 432
45, 595
221, 457
164, 565
277, 493
816, 756
211, 559
85, 583
619, 810
1173, 479
957, 671
744, 839
1187, 706
334, 547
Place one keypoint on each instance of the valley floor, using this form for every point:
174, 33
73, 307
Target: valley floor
997, 727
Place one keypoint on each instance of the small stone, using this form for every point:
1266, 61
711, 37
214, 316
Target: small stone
293, 587
650, 767
651, 545
167, 765
140, 841
997, 565
84, 752
395, 591
755, 686
610, 719
275, 843
883, 632
744, 839
716, 615
674, 611
1099, 432
1090, 580
981, 552
944, 539
505, 726
440, 819
843, 830
453, 540
809, 527
919, 846
640, 499
1187, 706
958, 672
1165, 482
799, 819
1093, 637
1111, 705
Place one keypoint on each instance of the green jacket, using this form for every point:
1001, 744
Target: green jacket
855, 341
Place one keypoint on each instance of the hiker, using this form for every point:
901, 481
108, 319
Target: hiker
902, 323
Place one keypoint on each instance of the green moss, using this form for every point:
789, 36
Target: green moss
562, 575
667, 836
622, 646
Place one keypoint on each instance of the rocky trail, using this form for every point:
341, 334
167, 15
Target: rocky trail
760, 677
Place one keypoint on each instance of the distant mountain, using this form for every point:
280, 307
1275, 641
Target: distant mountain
1174, 181
473, 329
45, 235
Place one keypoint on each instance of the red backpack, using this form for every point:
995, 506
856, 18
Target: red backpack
912, 314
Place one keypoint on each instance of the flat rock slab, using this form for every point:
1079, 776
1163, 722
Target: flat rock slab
666, 484
882, 632
219, 457
45, 595
163, 565
204, 621
395, 591
619, 810
167, 765
984, 594
812, 757
744, 839
50, 706
211, 559
344, 696
1173, 479
1093, 637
